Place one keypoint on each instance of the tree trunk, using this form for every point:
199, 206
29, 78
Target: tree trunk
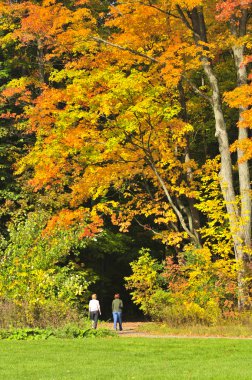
243, 167
40, 59
226, 177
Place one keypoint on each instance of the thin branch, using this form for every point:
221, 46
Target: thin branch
197, 90
119, 12
183, 18
146, 227
135, 52
175, 209
149, 140
147, 188
174, 226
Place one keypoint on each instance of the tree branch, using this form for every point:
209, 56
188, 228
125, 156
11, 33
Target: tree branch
135, 52
197, 90
183, 18
146, 226
175, 209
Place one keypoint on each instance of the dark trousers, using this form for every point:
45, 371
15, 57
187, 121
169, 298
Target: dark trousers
94, 318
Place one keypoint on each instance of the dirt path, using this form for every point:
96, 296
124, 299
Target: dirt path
132, 330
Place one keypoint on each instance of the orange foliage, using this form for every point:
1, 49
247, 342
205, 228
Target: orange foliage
228, 8
89, 222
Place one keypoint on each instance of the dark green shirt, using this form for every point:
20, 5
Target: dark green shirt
117, 305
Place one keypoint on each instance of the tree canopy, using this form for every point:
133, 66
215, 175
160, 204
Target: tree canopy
135, 114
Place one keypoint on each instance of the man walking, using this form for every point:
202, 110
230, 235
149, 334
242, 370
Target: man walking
117, 306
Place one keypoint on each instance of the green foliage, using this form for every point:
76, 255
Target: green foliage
145, 280
43, 334
35, 269
25, 334
75, 332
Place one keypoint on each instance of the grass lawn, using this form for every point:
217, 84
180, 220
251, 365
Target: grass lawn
126, 358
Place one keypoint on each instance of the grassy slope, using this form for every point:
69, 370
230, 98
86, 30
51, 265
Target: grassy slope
129, 358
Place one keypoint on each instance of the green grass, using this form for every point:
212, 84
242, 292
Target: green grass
126, 358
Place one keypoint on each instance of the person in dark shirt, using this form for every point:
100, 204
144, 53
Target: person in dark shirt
117, 306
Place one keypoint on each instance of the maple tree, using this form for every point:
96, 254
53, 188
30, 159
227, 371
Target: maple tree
133, 141
193, 43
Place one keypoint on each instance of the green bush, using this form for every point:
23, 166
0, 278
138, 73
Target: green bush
25, 334
69, 332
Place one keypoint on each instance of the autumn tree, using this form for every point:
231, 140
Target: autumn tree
179, 38
35, 39
111, 101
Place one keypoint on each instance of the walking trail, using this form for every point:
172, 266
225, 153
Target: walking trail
132, 329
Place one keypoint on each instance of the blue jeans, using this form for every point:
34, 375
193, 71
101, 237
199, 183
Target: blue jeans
117, 317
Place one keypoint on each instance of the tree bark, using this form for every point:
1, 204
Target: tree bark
243, 167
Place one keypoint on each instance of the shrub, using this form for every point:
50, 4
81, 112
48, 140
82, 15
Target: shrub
70, 332
51, 314
196, 289
145, 280
25, 334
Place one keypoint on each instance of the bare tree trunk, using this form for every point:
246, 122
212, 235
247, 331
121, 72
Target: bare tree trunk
243, 167
226, 176
226, 179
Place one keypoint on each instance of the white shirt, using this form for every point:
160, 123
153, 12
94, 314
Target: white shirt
94, 305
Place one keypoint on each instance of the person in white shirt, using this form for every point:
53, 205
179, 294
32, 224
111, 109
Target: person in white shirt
94, 310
